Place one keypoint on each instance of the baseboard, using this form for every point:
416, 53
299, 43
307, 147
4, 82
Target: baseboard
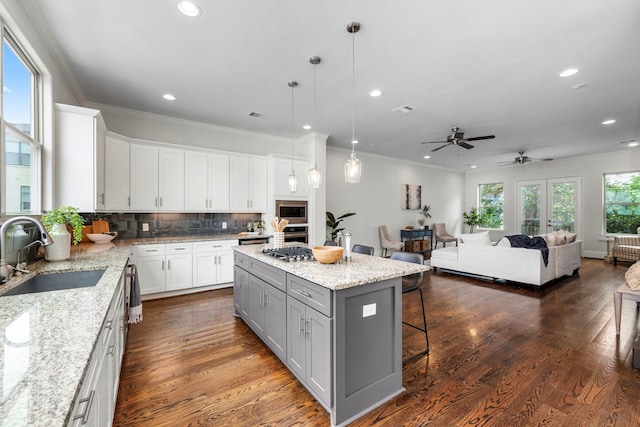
594, 254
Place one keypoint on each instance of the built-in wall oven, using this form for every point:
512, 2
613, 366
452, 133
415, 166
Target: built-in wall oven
295, 211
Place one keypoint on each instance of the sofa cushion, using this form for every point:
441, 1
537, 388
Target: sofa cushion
449, 252
504, 242
481, 238
632, 276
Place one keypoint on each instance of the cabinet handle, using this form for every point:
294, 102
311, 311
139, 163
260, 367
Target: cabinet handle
85, 415
160, 201
169, 265
111, 350
301, 323
266, 298
163, 264
151, 250
305, 293
129, 201
156, 202
307, 326
179, 249
109, 324
102, 198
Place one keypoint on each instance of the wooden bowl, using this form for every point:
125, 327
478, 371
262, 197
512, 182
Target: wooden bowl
327, 254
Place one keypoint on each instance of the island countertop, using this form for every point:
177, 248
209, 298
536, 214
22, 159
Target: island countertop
362, 269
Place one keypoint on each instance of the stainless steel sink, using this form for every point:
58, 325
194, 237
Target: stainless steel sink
57, 282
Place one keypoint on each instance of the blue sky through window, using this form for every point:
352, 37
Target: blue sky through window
16, 89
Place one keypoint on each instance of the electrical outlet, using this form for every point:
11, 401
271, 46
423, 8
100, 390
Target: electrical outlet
224, 225
145, 226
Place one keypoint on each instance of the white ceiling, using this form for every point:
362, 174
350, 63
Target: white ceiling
488, 67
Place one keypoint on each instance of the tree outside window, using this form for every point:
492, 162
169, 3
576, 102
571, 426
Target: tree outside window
622, 202
491, 205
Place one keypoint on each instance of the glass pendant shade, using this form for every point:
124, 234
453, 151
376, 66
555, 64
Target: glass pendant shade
315, 177
293, 182
352, 169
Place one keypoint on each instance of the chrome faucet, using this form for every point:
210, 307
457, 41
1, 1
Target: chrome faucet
45, 239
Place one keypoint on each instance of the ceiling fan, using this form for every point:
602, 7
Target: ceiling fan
522, 159
457, 138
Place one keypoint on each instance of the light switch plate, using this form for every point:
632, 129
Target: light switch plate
145, 226
369, 310
224, 225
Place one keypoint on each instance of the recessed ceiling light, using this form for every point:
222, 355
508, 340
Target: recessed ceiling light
427, 157
633, 143
375, 93
306, 127
568, 72
473, 166
609, 122
355, 141
189, 8
169, 97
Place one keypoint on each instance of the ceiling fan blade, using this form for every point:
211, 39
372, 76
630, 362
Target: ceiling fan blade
440, 148
465, 145
434, 142
478, 138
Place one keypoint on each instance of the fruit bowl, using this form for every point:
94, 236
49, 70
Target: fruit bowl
102, 237
327, 254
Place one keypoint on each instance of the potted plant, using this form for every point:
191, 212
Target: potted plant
425, 212
55, 221
472, 218
333, 223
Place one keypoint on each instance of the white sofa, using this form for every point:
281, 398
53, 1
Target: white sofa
514, 264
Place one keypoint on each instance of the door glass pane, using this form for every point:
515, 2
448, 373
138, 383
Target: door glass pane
531, 209
16, 94
564, 202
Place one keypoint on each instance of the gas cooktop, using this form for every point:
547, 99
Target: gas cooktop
292, 254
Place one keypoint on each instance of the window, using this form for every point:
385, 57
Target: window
20, 127
622, 202
491, 205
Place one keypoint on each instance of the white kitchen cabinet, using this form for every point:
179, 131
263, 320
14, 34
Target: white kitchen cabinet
79, 162
248, 184
116, 191
164, 267
281, 169
157, 178
213, 262
206, 181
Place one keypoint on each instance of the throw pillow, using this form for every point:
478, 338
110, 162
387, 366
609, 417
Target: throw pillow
481, 238
550, 238
504, 242
569, 237
632, 276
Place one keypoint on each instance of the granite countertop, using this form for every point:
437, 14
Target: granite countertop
362, 269
48, 337
183, 239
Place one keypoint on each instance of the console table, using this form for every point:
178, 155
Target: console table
418, 236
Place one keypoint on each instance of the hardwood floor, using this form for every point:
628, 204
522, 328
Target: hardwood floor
501, 355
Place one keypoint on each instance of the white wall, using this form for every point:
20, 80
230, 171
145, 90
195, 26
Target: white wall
376, 200
589, 168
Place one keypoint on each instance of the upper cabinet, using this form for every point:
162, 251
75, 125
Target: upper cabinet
79, 162
280, 176
116, 174
248, 184
157, 178
206, 181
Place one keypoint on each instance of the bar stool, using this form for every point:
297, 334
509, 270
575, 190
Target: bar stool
361, 249
412, 283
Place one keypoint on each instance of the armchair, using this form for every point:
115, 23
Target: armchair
386, 242
442, 235
626, 247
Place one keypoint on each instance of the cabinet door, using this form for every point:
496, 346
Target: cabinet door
171, 179
116, 191
276, 327
151, 274
204, 269
196, 190
257, 310
246, 300
296, 340
179, 272
225, 266
99, 163
239, 183
258, 185
280, 176
144, 177
318, 355
218, 182
240, 282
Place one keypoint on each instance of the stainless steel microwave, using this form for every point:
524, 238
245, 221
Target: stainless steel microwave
293, 210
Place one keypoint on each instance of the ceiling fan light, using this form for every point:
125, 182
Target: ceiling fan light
352, 169
189, 8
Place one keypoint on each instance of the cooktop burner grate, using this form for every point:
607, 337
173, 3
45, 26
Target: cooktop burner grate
292, 254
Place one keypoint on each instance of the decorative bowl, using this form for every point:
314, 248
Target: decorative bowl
409, 227
327, 254
102, 237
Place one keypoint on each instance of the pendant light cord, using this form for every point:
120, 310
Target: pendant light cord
315, 114
353, 89
292, 128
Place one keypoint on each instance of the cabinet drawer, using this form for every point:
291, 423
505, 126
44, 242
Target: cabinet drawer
147, 250
273, 276
241, 260
179, 248
310, 294
214, 245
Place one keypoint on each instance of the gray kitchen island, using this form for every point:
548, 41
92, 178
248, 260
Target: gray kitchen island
337, 327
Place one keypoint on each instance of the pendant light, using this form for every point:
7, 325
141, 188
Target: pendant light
293, 179
315, 176
353, 166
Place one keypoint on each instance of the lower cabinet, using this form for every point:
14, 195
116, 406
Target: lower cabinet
213, 262
267, 315
96, 400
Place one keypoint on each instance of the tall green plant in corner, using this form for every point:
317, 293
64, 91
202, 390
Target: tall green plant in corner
472, 219
64, 215
333, 223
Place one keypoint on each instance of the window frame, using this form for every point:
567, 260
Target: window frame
480, 207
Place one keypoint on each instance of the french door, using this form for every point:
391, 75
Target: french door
548, 204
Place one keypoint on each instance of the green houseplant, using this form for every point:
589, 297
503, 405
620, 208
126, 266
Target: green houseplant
425, 213
333, 223
472, 219
64, 215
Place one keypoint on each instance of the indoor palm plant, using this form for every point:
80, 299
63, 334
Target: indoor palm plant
472, 219
333, 223
425, 212
55, 221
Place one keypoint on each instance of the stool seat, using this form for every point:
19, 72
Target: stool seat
623, 291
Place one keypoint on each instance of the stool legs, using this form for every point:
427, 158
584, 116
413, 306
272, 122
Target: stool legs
423, 329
